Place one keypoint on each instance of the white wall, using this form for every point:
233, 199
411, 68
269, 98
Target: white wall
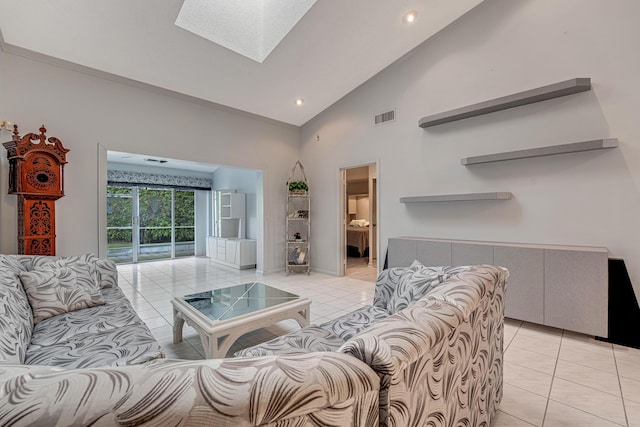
362, 208
500, 47
242, 181
84, 110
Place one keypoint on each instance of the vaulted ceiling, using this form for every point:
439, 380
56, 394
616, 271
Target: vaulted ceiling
335, 46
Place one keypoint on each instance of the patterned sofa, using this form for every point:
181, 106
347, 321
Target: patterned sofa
74, 329
434, 336
314, 389
100, 365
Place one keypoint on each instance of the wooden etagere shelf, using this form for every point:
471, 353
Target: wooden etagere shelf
575, 147
298, 222
556, 90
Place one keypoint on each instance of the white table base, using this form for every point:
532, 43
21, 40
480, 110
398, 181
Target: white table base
218, 336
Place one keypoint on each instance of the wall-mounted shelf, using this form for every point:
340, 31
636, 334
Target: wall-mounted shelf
531, 96
457, 197
575, 147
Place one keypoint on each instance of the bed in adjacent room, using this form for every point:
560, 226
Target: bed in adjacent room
358, 238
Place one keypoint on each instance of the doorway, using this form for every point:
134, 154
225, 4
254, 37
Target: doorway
359, 219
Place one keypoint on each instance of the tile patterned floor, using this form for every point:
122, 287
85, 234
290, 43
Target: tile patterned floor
551, 377
359, 268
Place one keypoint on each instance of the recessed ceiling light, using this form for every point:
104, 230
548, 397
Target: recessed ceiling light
299, 101
410, 17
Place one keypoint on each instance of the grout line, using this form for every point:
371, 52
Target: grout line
553, 377
582, 385
518, 418
624, 406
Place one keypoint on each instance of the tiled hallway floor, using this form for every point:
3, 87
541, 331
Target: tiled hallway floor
551, 377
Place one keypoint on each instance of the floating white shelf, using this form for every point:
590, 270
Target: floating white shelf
457, 197
531, 96
575, 147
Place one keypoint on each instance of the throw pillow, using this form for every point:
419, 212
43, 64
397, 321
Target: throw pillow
414, 284
11, 263
83, 265
57, 290
16, 319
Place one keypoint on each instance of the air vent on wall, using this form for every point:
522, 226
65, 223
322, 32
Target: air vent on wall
155, 161
387, 116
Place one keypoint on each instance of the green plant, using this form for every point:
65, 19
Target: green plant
298, 185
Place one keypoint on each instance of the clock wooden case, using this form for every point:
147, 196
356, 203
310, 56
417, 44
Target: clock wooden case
36, 165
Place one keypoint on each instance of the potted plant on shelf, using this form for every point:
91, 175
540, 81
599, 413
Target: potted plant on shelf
299, 188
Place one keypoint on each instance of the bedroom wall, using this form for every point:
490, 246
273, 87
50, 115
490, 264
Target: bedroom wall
83, 110
498, 48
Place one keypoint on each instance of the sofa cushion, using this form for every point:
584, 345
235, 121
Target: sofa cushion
418, 280
81, 263
128, 345
467, 289
104, 270
16, 318
55, 290
107, 273
116, 313
413, 285
386, 284
354, 322
10, 263
307, 339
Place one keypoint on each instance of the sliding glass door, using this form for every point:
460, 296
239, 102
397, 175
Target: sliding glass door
155, 213
120, 214
184, 223
146, 223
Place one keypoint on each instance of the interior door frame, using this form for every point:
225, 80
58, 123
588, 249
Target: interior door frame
342, 214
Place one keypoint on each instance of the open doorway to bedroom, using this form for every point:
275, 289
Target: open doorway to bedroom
358, 217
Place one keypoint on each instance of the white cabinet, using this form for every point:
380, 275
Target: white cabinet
222, 249
237, 253
231, 248
561, 286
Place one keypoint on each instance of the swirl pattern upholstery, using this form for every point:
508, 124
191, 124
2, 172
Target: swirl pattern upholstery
312, 389
100, 366
434, 335
16, 317
111, 334
440, 360
396, 288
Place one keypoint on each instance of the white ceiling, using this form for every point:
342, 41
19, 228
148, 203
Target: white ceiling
334, 48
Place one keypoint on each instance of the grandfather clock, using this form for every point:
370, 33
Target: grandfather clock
36, 175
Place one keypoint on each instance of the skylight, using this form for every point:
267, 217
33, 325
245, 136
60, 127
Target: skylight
252, 28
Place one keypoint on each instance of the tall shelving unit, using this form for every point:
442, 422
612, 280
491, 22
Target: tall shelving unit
298, 223
232, 207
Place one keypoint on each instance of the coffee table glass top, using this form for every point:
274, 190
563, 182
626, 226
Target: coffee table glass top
226, 303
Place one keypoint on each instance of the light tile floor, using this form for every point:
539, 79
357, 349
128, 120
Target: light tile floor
551, 377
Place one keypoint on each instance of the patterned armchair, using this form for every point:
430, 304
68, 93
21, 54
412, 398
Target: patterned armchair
434, 335
440, 359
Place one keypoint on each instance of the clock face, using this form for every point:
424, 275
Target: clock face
41, 175
42, 179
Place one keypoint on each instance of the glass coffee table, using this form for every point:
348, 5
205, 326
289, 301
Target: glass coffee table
221, 316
